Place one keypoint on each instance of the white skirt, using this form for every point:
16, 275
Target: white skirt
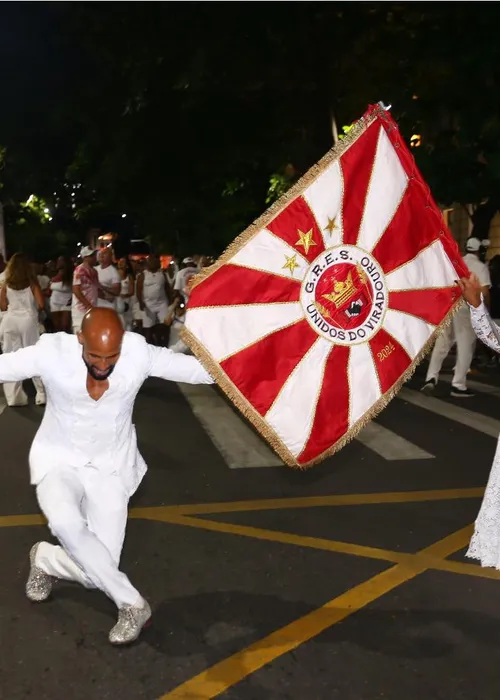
485, 542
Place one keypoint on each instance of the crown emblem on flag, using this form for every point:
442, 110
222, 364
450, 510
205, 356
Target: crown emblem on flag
342, 292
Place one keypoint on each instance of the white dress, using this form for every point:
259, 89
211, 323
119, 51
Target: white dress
485, 542
155, 298
60, 298
20, 330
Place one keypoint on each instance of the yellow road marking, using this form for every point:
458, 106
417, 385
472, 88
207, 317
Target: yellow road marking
288, 538
338, 547
164, 513
232, 670
223, 675
349, 499
458, 567
21, 520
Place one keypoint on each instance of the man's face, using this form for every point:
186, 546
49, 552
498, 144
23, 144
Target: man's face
105, 257
100, 357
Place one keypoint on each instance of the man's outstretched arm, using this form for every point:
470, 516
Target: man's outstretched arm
175, 367
19, 365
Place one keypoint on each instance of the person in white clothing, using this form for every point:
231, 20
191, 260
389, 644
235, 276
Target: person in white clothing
109, 280
85, 287
44, 318
152, 290
138, 267
124, 301
176, 320
485, 543
21, 300
459, 332
84, 460
171, 272
189, 270
60, 296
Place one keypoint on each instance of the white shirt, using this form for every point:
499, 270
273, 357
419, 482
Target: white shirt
153, 289
108, 276
182, 278
480, 269
77, 431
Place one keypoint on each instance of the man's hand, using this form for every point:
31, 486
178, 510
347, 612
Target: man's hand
471, 290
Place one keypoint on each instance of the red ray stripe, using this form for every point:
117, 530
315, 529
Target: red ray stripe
233, 285
390, 358
331, 419
432, 211
431, 305
412, 229
298, 217
357, 165
276, 356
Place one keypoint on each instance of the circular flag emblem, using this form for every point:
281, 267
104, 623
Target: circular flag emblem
344, 295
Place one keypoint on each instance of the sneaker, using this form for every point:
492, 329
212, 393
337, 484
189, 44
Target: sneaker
429, 387
39, 584
131, 620
460, 393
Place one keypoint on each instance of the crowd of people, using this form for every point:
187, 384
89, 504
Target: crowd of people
54, 297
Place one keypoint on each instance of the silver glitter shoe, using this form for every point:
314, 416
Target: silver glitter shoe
131, 620
39, 584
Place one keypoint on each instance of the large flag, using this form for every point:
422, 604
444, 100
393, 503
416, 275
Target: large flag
314, 317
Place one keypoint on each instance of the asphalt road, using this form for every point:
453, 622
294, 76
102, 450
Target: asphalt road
346, 581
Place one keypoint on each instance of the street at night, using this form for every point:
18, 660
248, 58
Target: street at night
348, 580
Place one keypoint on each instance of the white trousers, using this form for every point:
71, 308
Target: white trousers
76, 320
87, 512
154, 313
20, 331
461, 333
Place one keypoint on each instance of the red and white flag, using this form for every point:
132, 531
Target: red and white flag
316, 314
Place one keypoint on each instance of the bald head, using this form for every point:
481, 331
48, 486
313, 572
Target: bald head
101, 337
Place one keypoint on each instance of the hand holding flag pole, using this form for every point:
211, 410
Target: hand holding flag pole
471, 290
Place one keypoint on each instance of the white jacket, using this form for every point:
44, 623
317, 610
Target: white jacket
77, 431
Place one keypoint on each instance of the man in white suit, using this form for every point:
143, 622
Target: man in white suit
84, 459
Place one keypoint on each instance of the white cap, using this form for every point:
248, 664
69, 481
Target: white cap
86, 252
485, 243
187, 260
473, 245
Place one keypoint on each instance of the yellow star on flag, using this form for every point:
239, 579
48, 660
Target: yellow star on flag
291, 263
306, 240
331, 226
